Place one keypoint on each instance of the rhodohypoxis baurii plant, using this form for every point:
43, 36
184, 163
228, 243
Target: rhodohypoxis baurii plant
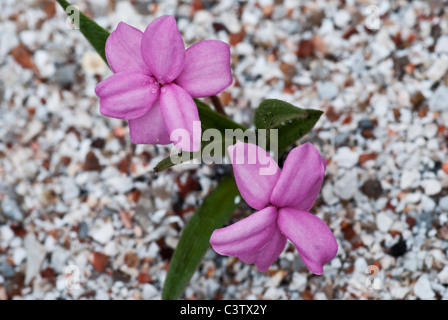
156, 80
284, 199
154, 86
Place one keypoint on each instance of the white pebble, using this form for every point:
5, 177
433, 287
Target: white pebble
103, 234
431, 187
346, 157
409, 179
383, 221
422, 288
442, 44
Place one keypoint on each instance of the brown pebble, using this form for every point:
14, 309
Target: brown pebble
91, 163
48, 274
349, 32
411, 221
24, 57
99, 261
305, 49
144, 278
225, 97
131, 259
366, 157
49, 7
372, 188
235, 38
331, 114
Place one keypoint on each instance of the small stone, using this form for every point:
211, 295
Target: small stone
438, 101
383, 222
149, 292
103, 234
111, 249
92, 63
431, 187
366, 124
99, 261
430, 130
428, 204
23, 56
35, 256
347, 185
372, 188
6, 270
346, 157
398, 249
83, 230
443, 203
327, 90
340, 138
11, 209
18, 256
442, 44
65, 76
298, 282
409, 179
437, 69
91, 162
131, 259
342, 18
305, 49
6, 233
422, 288
32, 130
44, 63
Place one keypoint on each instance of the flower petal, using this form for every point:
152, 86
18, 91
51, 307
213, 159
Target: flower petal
247, 235
256, 173
126, 95
267, 255
301, 179
312, 237
181, 117
206, 70
123, 50
163, 49
149, 128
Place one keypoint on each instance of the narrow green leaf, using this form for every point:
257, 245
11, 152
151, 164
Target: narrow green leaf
209, 120
292, 122
213, 120
95, 34
194, 241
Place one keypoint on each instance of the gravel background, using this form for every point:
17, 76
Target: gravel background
77, 196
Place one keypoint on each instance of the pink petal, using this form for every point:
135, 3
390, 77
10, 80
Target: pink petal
126, 95
256, 173
123, 50
267, 255
149, 128
163, 49
206, 69
181, 117
245, 236
301, 179
313, 239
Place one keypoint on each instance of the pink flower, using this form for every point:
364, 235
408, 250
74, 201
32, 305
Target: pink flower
283, 199
155, 80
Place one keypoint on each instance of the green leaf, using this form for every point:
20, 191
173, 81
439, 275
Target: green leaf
213, 120
292, 122
95, 34
209, 120
194, 241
